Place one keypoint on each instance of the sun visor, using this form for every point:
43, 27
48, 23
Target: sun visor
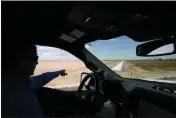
67, 38
77, 33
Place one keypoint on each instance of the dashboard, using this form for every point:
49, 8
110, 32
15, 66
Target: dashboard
151, 110
142, 98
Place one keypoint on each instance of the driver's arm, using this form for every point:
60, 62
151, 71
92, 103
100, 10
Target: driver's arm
39, 81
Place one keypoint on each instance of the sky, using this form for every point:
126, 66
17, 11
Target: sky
121, 48
50, 53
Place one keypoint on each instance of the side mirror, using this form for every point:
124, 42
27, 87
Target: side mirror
83, 75
158, 47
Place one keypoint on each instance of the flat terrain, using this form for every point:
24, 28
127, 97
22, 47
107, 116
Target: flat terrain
132, 69
145, 68
73, 68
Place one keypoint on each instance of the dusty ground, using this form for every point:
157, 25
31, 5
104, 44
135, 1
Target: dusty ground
146, 68
73, 68
132, 69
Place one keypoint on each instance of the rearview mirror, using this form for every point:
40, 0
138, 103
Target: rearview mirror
157, 47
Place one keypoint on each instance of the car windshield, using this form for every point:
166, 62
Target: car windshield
119, 54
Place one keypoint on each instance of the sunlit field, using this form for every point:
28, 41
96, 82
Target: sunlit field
145, 68
132, 69
73, 68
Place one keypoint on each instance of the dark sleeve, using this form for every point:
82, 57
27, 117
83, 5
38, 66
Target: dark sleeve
39, 81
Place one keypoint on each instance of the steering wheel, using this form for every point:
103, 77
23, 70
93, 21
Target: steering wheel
91, 95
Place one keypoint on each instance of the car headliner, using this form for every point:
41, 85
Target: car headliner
43, 23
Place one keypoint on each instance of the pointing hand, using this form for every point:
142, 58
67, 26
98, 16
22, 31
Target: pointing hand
62, 72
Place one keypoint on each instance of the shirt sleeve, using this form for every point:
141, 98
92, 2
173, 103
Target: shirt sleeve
39, 81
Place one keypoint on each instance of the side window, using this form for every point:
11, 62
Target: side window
54, 59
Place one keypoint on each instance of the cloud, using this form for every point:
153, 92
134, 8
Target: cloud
134, 55
87, 46
123, 37
113, 39
50, 53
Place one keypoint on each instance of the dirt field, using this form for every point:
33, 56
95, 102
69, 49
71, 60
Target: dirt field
146, 68
132, 69
73, 68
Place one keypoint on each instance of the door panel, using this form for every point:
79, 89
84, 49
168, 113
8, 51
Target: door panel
55, 102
